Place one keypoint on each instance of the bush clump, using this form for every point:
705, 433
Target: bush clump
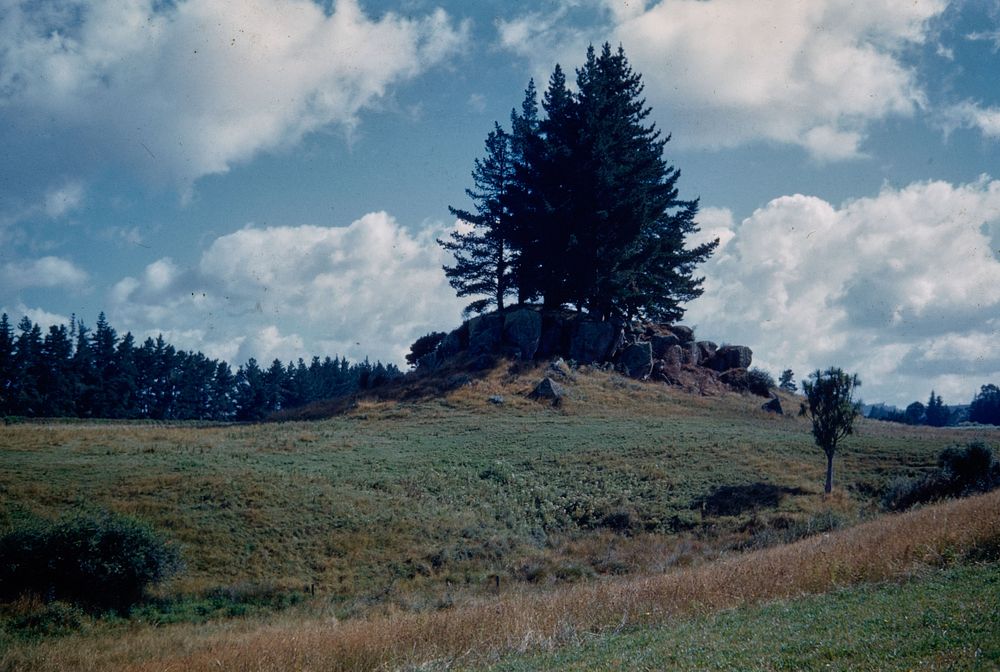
98, 563
760, 382
423, 346
961, 471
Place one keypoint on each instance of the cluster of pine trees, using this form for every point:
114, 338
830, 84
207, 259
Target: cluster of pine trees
72, 371
578, 206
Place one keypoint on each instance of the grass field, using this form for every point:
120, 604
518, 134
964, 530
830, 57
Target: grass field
939, 620
419, 508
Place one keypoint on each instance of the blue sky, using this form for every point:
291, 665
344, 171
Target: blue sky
267, 178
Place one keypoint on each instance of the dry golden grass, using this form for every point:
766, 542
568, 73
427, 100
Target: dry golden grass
887, 548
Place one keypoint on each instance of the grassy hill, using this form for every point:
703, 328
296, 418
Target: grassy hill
416, 509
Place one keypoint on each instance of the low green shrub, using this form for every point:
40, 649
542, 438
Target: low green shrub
52, 619
98, 563
760, 382
961, 471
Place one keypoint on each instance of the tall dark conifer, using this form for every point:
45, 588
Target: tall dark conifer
56, 383
593, 216
483, 255
6, 365
525, 147
628, 220
28, 369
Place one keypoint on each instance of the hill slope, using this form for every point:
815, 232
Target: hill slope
413, 507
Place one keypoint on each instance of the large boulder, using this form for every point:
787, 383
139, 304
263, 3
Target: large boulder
454, 343
553, 340
485, 334
685, 334
731, 357
692, 354
592, 341
548, 389
674, 357
522, 329
637, 360
773, 406
736, 379
706, 350
660, 343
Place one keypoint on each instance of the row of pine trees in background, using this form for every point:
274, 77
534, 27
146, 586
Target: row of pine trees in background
578, 206
72, 371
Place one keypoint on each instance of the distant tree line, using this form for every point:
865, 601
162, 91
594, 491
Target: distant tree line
73, 371
575, 205
984, 409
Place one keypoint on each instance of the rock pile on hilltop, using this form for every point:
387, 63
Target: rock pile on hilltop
645, 351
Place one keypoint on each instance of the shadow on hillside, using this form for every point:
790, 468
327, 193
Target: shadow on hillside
732, 500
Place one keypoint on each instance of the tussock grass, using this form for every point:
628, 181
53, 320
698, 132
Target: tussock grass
890, 547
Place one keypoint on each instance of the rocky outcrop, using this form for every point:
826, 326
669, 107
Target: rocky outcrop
522, 329
592, 341
637, 360
668, 353
663, 342
731, 357
485, 333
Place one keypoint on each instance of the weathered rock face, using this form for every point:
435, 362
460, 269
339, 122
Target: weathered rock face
637, 360
661, 343
706, 350
692, 354
736, 379
522, 329
731, 357
685, 334
592, 341
485, 333
668, 353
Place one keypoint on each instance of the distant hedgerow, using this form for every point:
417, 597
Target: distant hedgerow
103, 562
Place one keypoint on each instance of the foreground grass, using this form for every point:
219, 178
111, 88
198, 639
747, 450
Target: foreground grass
941, 619
484, 630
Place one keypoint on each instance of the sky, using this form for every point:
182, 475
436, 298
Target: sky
267, 178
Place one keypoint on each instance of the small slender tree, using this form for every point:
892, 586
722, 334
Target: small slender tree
832, 409
483, 255
787, 381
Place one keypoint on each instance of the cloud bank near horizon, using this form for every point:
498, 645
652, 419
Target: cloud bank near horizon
902, 287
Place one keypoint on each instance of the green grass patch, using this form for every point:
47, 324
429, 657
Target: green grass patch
944, 619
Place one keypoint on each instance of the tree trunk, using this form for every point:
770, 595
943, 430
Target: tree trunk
829, 472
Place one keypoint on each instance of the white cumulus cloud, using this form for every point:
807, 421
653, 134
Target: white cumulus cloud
728, 72
903, 287
43, 272
186, 89
366, 289
972, 115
